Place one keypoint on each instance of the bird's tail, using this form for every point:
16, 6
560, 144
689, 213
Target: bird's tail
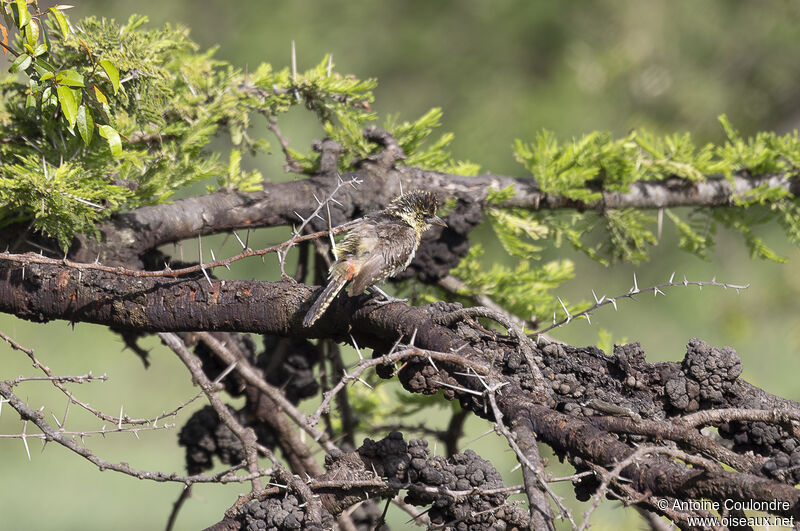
324, 300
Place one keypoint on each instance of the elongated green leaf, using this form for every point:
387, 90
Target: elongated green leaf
62, 21
24, 15
42, 48
112, 72
69, 78
45, 37
32, 32
44, 66
114, 141
99, 95
20, 63
85, 124
46, 76
69, 104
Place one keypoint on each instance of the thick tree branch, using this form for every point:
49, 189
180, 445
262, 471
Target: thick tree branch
128, 235
159, 304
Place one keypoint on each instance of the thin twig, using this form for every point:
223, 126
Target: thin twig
246, 435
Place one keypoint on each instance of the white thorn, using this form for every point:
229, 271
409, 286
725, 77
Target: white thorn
672, 276
569, 316
25, 439
614, 302
239, 240
413, 337
635, 284
358, 350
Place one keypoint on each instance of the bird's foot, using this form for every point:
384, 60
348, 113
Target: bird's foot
388, 299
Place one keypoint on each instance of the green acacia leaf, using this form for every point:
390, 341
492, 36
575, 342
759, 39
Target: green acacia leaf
111, 72
69, 104
41, 49
46, 76
85, 124
69, 78
114, 141
62, 21
20, 63
23, 13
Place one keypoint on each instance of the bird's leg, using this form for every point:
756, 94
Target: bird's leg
389, 298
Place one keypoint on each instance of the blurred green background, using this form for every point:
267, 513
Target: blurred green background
500, 70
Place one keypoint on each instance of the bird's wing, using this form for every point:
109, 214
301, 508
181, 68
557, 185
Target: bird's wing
389, 256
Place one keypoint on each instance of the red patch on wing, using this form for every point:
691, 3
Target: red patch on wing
351, 271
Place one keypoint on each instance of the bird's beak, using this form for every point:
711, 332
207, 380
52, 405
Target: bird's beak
436, 220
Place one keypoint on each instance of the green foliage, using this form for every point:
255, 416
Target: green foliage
237, 179
517, 229
694, 235
606, 341
584, 168
743, 221
156, 102
628, 235
412, 137
597, 162
524, 290
67, 201
756, 155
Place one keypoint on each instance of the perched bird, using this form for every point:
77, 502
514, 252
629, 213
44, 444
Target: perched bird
379, 246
